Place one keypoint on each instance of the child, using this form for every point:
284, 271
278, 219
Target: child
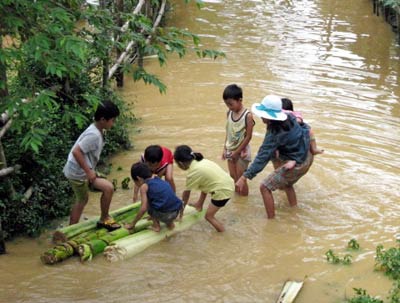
239, 129
81, 165
287, 106
209, 178
293, 143
157, 198
160, 160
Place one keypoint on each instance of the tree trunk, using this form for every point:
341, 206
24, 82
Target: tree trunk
2, 242
104, 5
119, 74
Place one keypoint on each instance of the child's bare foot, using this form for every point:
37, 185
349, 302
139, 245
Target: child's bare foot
171, 226
317, 151
156, 226
195, 205
156, 229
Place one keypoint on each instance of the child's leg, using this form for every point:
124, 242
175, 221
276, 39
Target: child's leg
156, 225
107, 190
268, 201
199, 204
210, 217
291, 195
313, 144
81, 196
232, 170
76, 212
171, 225
241, 166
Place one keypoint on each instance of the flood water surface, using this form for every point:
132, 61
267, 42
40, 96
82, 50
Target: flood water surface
340, 65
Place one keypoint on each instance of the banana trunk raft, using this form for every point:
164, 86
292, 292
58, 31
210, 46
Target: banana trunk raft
133, 244
86, 240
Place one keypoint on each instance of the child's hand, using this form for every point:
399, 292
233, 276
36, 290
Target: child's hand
91, 176
289, 165
226, 155
243, 154
223, 154
130, 227
234, 156
181, 214
240, 183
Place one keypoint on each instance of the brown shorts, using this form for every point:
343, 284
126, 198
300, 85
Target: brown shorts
282, 178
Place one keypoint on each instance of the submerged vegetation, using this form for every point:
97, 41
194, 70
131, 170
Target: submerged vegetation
387, 261
58, 60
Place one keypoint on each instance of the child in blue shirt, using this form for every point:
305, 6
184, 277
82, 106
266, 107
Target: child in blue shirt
292, 141
157, 198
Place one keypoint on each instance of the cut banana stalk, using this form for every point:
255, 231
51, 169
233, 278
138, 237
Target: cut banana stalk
290, 291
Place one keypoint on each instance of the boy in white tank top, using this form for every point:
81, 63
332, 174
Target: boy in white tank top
239, 130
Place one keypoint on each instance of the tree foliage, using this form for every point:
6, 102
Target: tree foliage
54, 55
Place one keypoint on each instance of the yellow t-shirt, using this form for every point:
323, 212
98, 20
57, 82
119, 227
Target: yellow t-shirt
210, 178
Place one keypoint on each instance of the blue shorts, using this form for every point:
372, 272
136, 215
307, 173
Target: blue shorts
165, 217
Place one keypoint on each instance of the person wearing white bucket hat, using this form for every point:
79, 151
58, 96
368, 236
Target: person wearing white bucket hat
292, 141
270, 108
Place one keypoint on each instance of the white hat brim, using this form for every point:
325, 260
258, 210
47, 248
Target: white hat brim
279, 116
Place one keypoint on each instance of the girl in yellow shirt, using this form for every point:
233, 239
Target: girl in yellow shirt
207, 177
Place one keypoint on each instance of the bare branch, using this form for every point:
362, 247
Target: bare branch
4, 118
5, 128
123, 57
6, 171
27, 194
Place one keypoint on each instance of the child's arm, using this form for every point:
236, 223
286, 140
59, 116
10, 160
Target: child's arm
80, 158
143, 207
201, 200
169, 176
223, 157
241, 183
185, 199
247, 138
135, 193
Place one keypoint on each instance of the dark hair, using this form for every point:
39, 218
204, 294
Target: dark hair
140, 169
232, 91
106, 110
153, 153
287, 104
184, 153
275, 126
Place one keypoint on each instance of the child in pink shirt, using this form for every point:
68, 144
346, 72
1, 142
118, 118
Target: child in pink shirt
287, 107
